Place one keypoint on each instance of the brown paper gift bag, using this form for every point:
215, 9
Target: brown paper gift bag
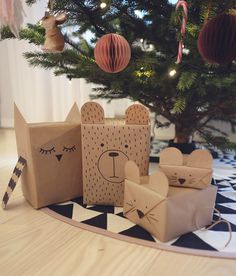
52, 151
164, 211
193, 170
106, 148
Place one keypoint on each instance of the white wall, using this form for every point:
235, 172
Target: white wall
38, 93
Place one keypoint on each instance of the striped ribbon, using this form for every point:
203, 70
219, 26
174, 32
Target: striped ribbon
183, 4
13, 181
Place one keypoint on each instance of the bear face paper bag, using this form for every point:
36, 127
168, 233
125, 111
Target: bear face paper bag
106, 149
53, 171
193, 170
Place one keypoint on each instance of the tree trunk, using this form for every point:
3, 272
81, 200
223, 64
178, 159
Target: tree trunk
183, 134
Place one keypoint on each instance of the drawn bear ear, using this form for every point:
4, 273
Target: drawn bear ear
159, 183
137, 114
132, 172
92, 113
171, 156
74, 114
200, 159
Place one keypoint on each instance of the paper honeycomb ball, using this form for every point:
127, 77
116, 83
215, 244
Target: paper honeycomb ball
112, 53
217, 39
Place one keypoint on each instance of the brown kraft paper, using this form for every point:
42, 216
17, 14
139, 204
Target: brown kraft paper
193, 170
165, 211
106, 148
53, 171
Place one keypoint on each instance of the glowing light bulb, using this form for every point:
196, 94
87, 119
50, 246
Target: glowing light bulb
172, 73
103, 5
141, 40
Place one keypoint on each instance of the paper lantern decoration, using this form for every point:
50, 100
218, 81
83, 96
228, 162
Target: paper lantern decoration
112, 53
217, 39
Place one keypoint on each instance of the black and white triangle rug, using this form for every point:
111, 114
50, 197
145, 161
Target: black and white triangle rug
110, 221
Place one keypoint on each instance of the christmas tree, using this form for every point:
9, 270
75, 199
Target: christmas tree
190, 94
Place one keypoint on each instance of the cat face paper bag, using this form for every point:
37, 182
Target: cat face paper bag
165, 211
107, 147
53, 171
193, 170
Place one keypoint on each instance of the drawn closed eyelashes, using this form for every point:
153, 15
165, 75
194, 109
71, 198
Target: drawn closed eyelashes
149, 216
69, 149
47, 151
50, 151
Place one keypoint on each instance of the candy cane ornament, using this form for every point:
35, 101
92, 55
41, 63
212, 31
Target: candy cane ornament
183, 4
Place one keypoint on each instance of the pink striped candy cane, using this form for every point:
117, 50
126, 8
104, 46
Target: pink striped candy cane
183, 4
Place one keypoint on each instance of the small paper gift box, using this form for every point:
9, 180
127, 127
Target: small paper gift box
193, 170
106, 148
164, 211
53, 157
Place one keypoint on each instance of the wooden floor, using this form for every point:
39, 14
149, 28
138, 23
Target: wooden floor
32, 243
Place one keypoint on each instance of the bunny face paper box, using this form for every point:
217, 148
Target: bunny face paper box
165, 211
193, 170
52, 151
107, 146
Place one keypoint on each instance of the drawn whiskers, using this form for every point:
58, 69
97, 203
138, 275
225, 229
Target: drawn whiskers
151, 217
192, 181
133, 208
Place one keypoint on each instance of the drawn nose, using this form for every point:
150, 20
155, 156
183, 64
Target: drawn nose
59, 156
181, 180
113, 154
140, 213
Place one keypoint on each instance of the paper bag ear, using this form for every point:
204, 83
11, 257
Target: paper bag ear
18, 117
61, 18
137, 114
200, 159
74, 115
159, 183
21, 130
132, 172
92, 113
171, 156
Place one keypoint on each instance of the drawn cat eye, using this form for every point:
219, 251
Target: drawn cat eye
102, 145
47, 151
69, 149
126, 146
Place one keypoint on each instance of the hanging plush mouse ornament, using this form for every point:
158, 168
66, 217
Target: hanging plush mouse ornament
54, 40
217, 39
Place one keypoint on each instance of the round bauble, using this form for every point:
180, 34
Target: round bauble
217, 39
112, 53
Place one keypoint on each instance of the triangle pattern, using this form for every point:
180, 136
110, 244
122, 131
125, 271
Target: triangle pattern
102, 208
112, 219
190, 240
217, 240
98, 221
64, 210
118, 224
138, 232
82, 214
225, 210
